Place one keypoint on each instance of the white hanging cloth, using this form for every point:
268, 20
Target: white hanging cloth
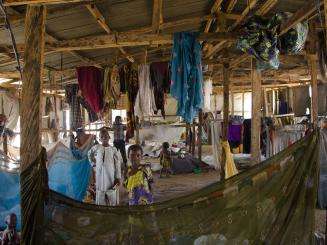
145, 103
207, 87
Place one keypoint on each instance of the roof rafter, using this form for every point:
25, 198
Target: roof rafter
102, 22
214, 9
157, 17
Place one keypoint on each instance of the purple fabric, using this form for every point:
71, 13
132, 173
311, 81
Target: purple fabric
141, 196
90, 83
234, 132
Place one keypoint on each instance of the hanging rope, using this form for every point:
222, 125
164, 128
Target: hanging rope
13, 41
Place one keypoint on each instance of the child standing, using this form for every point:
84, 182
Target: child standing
165, 159
107, 164
10, 235
119, 137
138, 178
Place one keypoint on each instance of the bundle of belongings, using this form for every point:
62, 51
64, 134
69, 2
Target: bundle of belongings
282, 211
260, 38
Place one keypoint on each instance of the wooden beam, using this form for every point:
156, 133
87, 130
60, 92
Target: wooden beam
121, 40
200, 134
214, 9
27, 2
102, 22
30, 147
231, 6
302, 14
244, 14
266, 7
157, 16
256, 116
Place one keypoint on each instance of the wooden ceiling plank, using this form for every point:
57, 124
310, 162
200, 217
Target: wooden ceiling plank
25, 2
95, 12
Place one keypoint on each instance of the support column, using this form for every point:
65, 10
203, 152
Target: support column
312, 62
193, 139
314, 89
200, 134
226, 101
30, 149
256, 116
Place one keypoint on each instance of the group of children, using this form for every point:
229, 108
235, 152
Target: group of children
111, 167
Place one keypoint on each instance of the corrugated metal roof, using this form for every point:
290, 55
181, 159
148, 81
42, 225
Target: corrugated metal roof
74, 21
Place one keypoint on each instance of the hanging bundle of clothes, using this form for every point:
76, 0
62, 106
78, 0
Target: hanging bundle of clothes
111, 86
186, 75
260, 39
160, 81
90, 83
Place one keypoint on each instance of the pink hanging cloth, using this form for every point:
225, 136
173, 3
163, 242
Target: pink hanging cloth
90, 83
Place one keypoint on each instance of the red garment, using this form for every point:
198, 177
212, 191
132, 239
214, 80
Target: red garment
90, 83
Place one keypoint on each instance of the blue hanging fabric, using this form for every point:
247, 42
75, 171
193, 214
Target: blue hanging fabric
186, 75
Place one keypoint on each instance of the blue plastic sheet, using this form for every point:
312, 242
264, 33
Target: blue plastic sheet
67, 175
9, 196
186, 75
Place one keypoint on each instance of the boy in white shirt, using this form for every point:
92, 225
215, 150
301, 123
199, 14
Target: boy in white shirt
107, 162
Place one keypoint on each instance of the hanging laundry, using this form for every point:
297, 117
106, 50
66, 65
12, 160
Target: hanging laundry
260, 39
186, 75
92, 115
294, 40
111, 86
90, 82
160, 82
207, 88
76, 120
129, 75
145, 103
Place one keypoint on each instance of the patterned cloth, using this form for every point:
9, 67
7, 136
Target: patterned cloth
186, 75
138, 186
76, 120
260, 39
129, 75
111, 86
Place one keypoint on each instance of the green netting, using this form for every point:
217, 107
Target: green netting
272, 203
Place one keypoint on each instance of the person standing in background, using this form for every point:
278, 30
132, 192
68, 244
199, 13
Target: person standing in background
119, 138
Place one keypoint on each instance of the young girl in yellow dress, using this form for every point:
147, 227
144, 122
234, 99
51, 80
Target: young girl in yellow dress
139, 178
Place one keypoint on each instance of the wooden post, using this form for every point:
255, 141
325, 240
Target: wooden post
193, 138
312, 62
137, 130
30, 148
314, 89
256, 116
200, 134
226, 101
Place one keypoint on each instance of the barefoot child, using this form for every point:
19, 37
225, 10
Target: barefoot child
165, 159
138, 178
107, 163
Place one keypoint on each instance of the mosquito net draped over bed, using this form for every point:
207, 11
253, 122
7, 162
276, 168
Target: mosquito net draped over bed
271, 203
